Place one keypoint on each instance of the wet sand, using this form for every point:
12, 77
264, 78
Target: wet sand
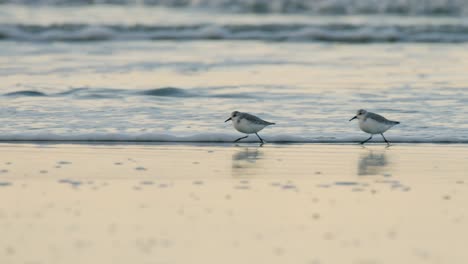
64, 203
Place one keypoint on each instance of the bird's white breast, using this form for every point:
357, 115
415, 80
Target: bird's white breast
372, 126
247, 127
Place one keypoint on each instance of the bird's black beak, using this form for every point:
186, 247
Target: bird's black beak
227, 120
353, 118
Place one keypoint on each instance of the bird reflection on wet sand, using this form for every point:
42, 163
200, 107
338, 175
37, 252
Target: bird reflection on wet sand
244, 161
373, 162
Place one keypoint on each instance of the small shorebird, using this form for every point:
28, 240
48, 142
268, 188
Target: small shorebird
248, 124
373, 124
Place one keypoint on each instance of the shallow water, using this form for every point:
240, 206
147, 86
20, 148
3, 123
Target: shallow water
152, 73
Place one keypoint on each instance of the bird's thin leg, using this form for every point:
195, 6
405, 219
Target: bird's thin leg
260, 138
240, 138
366, 140
388, 143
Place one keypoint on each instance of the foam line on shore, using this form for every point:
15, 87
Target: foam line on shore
208, 138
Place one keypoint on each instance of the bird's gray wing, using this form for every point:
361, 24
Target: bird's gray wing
380, 118
256, 120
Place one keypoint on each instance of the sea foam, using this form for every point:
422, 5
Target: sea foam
211, 138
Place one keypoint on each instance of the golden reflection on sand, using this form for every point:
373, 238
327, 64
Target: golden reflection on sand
223, 203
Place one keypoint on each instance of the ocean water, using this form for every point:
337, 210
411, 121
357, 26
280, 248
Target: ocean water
174, 70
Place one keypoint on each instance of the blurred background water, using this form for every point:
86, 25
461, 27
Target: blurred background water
173, 70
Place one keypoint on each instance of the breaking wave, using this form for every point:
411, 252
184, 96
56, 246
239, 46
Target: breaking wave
269, 32
320, 7
100, 93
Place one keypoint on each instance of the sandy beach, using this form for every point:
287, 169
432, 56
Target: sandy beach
222, 203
